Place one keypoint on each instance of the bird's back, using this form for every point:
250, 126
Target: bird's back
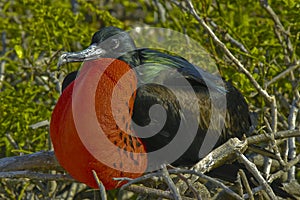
220, 112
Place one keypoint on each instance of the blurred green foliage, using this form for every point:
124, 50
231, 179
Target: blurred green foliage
34, 33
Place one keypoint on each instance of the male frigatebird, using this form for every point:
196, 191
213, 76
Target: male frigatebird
192, 99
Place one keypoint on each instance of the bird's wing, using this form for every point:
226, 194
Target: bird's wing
155, 64
187, 119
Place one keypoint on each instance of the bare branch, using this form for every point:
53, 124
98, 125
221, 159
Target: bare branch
239, 185
292, 141
279, 173
278, 135
36, 175
3, 62
254, 191
145, 190
152, 192
220, 155
169, 181
246, 184
205, 177
12, 141
43, 160
283, 74
190, 186
279, 28
252, 168
46, 161
136, 180
216, 158
100, 185
40, 124
227, 36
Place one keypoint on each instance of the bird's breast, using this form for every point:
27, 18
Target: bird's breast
90, 125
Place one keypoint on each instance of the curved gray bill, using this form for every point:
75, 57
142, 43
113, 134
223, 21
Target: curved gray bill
90, 53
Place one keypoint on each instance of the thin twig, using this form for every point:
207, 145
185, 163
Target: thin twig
246, 184
100, 185
267, 160
170, 183
3, 62
190, 185
40, 124
252, 168
267, 125
292, 141
216, 158
283, 74
205, 177
178, 171
227, 36
239, 185
278, 25
276, 150
161, 10
279, 173
12, 141
254, 191
145, 190
152, 192
136, 180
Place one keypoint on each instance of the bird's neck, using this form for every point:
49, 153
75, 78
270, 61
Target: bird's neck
132, 58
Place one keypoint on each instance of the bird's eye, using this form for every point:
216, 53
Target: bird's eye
115, 43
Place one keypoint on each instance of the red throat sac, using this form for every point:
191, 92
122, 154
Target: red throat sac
91, 125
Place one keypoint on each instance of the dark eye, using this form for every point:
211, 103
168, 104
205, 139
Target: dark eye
115, 43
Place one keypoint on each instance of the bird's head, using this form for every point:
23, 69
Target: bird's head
108, 42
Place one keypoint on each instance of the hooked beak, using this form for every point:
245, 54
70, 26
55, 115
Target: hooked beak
91, 53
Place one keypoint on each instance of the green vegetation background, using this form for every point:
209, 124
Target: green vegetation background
33, 34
